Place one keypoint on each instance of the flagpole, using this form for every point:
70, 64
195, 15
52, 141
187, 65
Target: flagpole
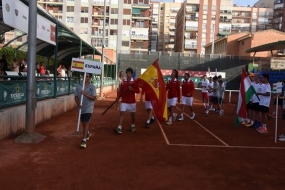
81, 100
114, 102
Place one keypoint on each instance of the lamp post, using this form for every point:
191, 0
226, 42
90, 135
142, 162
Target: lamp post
213, 40
103, 51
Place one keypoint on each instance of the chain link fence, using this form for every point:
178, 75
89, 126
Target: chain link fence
230, 65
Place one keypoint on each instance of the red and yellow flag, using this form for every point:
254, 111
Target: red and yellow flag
152, 83
77, 64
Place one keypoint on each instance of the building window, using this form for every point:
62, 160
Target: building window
114, 21
127, 1
84, 9
113, 32
84, 19
126, 22
205, 7
125, 43
70, 9
70, 19
114, 10
133, 33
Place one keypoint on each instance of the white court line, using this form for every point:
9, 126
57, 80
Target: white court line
206, 129
220, 146
163, 133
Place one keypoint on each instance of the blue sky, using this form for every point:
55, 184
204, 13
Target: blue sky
238, 2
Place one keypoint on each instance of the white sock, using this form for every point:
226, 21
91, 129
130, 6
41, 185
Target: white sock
170, 119
148, 121
182, 115
152, 117
84, 140
120, 127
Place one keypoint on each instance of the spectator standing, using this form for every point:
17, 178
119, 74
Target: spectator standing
23, 65
4, 64
16, 65
89, 96
42, 69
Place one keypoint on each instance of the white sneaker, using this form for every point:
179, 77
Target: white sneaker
174, 116
282, 139
169, 122
282, 136
181, 118
212, 109
192, 115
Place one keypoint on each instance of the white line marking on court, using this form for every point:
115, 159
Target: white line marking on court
220, 146
163, 133
206, 129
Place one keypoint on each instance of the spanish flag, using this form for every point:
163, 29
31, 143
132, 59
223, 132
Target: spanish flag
152, 83
77, 64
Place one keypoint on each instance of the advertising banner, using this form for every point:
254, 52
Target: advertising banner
16, 14
44, 89
12, 93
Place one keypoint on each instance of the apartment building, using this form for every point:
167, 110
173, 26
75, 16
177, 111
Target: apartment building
127, 22
199, 22
251, 19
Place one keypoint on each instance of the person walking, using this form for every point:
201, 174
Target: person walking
89, 97
128, 89
188, 89
173, 95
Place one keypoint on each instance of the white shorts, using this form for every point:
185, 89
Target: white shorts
128, 107
148, 105
171, 102
188, 101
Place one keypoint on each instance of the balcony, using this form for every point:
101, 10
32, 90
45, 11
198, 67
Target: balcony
278, 15
229, 12
278, 1
139, 37
97, 14
246, 15
192, 9
190, 46
97, 34
191, 28
140, 16
54, 2
241, 29
191, 37
194, 18
141, 6
225, 20
100, 3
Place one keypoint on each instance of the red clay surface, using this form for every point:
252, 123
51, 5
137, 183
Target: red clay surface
205, 153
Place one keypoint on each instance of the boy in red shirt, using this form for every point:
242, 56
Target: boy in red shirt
128, 89
188, 89
173, 88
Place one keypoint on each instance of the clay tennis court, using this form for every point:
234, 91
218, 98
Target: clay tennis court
205, 153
